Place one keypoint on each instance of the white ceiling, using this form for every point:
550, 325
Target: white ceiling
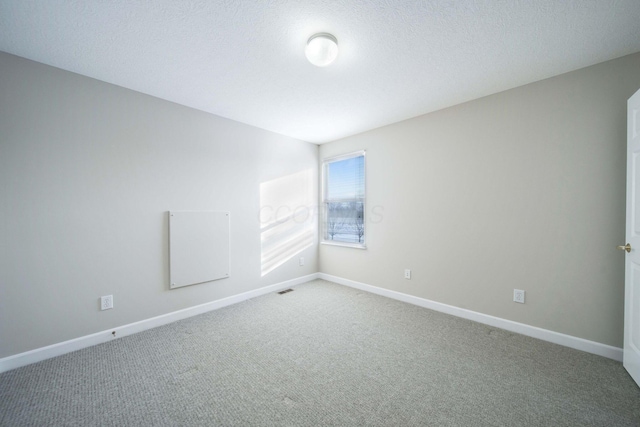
244, 60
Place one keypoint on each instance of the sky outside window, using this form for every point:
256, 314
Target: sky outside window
346, 179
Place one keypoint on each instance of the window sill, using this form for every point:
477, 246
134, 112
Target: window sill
344, 244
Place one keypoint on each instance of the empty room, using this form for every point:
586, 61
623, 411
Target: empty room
310, 213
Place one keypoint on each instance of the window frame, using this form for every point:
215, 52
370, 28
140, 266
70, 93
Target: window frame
325, 164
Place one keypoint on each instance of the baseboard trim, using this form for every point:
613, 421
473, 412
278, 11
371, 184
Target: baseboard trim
593, 347
43, 353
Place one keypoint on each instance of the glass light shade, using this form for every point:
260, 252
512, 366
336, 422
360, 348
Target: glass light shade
322, 49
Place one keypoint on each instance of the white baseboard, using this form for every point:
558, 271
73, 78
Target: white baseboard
611, 352
36, 355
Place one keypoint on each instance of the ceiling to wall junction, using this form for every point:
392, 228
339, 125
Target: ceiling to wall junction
244, 60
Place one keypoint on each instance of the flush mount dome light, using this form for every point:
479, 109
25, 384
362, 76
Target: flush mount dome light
322, 49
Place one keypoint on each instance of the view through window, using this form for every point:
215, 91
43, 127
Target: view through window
344, 200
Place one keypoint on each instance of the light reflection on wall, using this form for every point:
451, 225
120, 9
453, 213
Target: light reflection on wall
287, 218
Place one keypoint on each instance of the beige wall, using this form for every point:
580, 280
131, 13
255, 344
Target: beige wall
523, 189
88, 172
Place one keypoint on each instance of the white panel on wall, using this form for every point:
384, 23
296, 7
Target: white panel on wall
198, 247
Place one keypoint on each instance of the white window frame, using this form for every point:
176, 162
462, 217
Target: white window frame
325, 201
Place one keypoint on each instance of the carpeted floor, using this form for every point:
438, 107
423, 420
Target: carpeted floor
322, 355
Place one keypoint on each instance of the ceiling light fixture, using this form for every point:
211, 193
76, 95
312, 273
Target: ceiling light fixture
322, 49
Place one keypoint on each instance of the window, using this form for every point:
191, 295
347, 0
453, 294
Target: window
344, 200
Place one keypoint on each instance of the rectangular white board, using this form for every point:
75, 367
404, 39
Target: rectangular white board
198, 247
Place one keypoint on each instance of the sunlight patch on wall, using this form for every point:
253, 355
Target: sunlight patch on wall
287, 218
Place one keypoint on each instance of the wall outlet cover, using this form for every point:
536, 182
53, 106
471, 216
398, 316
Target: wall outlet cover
407, 274
518, 296
106, 302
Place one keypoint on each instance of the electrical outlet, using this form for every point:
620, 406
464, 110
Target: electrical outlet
407, 274
518, 296
301, 261
106, 302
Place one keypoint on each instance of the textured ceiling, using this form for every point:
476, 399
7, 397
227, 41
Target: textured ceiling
244, 60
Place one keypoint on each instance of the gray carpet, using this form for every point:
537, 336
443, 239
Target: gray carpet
322, 355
